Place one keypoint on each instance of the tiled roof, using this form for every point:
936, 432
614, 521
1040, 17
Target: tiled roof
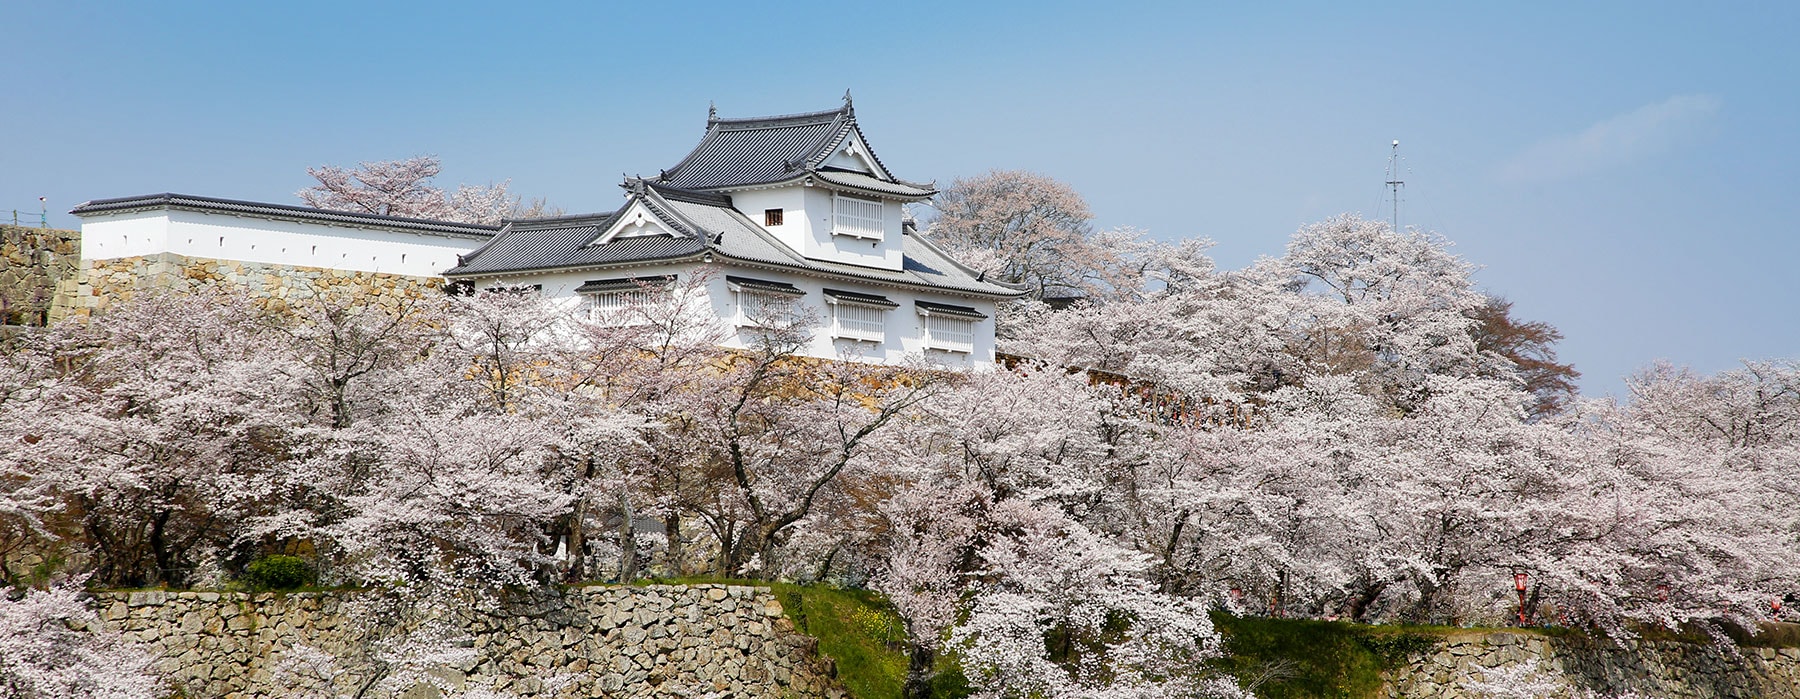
552, 244
601, 286
769, 150
861, 298
930, 308
280, 211
738, 152
857, 180
764, 285
535, 244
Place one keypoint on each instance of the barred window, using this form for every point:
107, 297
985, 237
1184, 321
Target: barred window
861, 218
949, 333
754, 309
857, 322
622, 307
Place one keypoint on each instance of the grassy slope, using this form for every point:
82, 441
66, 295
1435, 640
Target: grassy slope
1317, 659
859, 632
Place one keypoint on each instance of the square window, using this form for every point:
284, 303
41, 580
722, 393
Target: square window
771, 217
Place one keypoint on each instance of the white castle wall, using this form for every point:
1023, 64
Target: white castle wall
195, 234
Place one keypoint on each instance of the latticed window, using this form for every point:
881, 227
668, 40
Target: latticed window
622, 307
623, 301
762, 301
858, 217
949, 333
754, 309
858, 322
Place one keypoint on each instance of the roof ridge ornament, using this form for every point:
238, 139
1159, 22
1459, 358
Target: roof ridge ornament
712, 112
849, 106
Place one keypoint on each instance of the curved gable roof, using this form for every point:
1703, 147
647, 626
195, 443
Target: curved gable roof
756, 151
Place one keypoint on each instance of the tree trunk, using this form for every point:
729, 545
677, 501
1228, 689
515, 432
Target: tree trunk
1359, 604
577, 550
918, 671
159, 549
673, 554
628, 562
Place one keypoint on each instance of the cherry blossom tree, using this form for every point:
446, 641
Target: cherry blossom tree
167, 420
341, 349
28, 495
403, 188
1028, 229
1392, 308
992, 549
782, 432
627, 444
1689, 506
53, 645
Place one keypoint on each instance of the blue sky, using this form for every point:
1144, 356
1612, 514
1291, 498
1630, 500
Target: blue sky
1627, 172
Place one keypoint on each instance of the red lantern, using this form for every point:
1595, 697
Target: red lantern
1519, 584
1776, 605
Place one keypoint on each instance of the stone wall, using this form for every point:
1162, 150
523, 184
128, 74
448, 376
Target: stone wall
657, 641
1660, 669
113, 280
39, 274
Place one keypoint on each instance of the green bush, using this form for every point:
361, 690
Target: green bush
1301, 658
278, 573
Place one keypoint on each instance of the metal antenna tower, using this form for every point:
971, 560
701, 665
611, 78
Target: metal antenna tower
1394, 183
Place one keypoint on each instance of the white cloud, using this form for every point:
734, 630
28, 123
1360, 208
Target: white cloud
1636, 134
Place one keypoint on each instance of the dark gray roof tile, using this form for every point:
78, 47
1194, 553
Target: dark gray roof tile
763, 285
861, 298
564, 243
768, 150
738, 152
601, 286
931, 308
857, 180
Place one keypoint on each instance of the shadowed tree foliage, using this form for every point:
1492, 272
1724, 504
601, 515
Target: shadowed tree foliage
1531, 345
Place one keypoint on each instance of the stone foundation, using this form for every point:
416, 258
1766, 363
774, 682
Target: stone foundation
658, 641
39, 274
1652, 669
114, 280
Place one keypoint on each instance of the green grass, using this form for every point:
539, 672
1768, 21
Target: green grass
858, 631
1768, 634
1318, 659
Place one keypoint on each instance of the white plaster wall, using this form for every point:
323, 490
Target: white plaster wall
905, 328
124, 235
886, 253
794, 230
806, 226
249, 239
